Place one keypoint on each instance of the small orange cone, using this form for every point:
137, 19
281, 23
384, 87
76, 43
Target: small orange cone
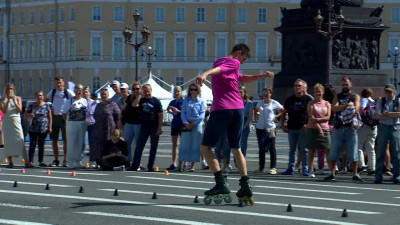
156, 169
87, 165
5, 160
23, 170
73, 174
166, 172
48, 172
23, 160
184, 170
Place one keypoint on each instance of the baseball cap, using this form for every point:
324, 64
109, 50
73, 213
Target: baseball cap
390, 87
124, 85
115, 82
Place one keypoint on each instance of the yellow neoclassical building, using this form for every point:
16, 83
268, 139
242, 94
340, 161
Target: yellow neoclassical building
82, 41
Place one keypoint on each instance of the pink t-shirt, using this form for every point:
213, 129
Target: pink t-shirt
320, 109
224, 86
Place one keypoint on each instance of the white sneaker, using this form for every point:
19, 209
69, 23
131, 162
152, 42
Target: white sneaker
204, 165
297, 169
343, 171
311, 174
227, 169
272, 171
320, 172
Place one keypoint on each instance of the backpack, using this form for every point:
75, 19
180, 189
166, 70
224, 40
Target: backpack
395, 103
368, 115
54, 92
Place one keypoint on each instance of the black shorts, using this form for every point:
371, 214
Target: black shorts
175, 132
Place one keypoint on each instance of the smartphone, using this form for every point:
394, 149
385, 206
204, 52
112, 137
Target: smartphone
11, 93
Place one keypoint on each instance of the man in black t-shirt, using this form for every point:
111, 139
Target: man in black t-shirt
115, 153
296, 108
151, 121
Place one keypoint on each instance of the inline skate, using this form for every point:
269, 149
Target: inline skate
245, 194
219, 192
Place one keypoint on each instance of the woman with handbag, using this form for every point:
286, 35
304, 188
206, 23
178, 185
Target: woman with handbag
74, 113
192, 114
267, 111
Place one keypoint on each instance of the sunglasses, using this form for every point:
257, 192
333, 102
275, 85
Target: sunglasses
297, 85
192, 89
135, 88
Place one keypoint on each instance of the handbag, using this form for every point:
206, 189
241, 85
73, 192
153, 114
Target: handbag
356, 122
184, 129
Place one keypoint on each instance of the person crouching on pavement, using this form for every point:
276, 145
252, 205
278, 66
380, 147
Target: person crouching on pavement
115, 153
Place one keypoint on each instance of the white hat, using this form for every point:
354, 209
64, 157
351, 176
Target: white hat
124, 85
115, 82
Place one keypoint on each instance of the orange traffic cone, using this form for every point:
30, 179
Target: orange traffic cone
156, 169
87, 165
166, 172
23, 160
23, 170
5, 160
73, 174
48, 172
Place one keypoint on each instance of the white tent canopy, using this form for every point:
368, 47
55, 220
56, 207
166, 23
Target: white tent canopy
157, 90
206, 93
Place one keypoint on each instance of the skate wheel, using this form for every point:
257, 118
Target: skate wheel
217, 201
228, 199
207, 200
241, 203
251, 201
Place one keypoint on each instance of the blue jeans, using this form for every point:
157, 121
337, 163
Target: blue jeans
392, 134
143, 136
245, 136
297, 140
131, 132
349, 137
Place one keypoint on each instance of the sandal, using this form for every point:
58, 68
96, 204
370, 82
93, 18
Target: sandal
10, 165
42, 164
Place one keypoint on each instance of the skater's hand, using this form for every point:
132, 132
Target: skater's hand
268, 74
50, 130
321, 134
284, 129
200, 80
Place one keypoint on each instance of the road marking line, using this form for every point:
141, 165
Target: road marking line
176, 221
18, 222
308, 190
95, 173
196, 188
213, 210
258, 202
22, 206
39, 184
171, 179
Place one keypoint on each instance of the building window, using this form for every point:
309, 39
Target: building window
180, 47
31, 48
21, 18
279, 46
241, 37
61, 46
31, 17
51, 15
160, 14
12, 49
393, 42
71, 46
12, 19
262, 15
241, 15
41, 48
1, 47
280, 16
395, 15
1, 19
96, 13
260, 87
180, 14
30, 81
140, 10
21, 53
220, 44
71, 13
179, 81
96, 46
40, 83
200, 15
41, 16
221, 15
61, 15
95, 83
49, 82
51, 47
118, 13
159, 46
261, 48
118, 46
200, 47
118, 78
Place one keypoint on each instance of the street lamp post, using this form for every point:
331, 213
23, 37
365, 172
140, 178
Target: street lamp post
128, 35
149, 53
395, 66
329, 34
